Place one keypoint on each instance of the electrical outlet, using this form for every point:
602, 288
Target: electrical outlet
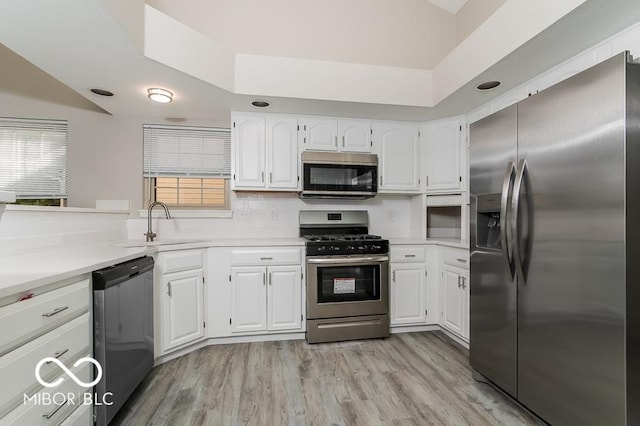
274, 214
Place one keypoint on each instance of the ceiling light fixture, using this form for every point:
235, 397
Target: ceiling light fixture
160, 95
488, 85
260, 104
101, 92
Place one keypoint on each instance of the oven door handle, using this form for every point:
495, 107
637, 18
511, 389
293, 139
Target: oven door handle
347, 260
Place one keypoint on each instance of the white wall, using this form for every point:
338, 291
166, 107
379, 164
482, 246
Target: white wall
275, 215
24, 230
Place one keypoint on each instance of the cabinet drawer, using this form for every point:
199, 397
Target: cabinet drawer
263, 256
455, 257
22, 321
66, 343
407, 254
65, 398
181, 261
80, 417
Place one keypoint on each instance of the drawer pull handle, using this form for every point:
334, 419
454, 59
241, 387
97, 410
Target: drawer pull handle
58, 355
55, 410
266, 258
461, 260
409, 255
56, 311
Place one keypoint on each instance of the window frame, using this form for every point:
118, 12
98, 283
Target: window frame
150, 195
150, 173
58, 143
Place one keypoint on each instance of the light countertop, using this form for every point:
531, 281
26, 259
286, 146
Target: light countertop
19, 274
23, 273
448, 242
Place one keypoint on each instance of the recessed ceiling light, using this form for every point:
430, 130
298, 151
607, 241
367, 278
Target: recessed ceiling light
487, 85
260, 104
160, 95
101, 92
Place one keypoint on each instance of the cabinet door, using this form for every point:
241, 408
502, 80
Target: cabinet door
453, 303
354, 135
321, 134
248, 299
250, 147
443, 155
282, 153
397, 149
284, 297
183, 317
408, 303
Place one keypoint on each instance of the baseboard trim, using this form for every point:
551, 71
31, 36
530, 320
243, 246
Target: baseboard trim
396, 329
227, 341
459, 340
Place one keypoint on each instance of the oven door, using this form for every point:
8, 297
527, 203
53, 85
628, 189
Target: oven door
346, 286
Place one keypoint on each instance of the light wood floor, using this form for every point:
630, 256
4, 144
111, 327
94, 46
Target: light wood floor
407, 379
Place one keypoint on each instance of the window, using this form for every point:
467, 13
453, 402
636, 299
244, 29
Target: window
33, 160
187, 166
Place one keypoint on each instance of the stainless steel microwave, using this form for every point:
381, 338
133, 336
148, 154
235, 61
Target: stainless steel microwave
339, 175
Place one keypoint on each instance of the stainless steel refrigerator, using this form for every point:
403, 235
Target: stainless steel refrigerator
555, 248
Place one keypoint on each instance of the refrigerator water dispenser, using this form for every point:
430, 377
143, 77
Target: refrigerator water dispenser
488, 221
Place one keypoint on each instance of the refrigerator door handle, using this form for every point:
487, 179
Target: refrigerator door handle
515, 209
507, 185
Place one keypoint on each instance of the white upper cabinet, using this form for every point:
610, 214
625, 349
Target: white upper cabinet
354, 135
282, 153
265, 152
249, 146
442, 160
320, 134
330, 134
397, 147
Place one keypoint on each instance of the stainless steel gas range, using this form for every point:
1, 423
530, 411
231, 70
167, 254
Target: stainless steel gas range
347, 277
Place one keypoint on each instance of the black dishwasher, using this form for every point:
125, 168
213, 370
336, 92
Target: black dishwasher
123, 332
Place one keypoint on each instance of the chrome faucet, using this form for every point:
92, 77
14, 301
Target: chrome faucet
150, 234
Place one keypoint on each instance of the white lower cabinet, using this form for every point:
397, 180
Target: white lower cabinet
412, 295
454, 287
266, 298
51, 323
248, 299
408, 305
284, 296
183, 307
181, 293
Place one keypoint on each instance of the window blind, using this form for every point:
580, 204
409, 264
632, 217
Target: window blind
33, 157
186, 151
